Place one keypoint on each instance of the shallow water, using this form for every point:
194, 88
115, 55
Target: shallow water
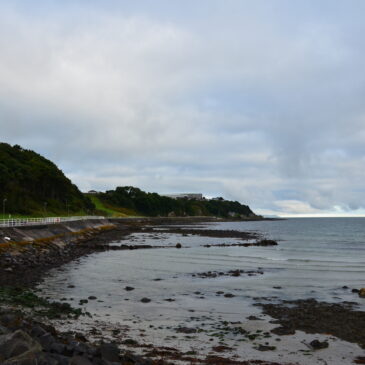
314, 258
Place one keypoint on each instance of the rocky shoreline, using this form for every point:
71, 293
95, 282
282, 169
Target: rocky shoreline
24, 341
342, 320
23, 264
26, 338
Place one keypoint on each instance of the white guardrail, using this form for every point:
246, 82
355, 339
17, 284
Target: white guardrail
17, 222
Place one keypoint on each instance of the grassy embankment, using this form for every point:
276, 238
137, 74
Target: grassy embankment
109, 210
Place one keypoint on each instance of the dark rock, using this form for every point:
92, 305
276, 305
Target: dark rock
130, 341
178, 245
80, 360
60, 359
254, 318
266, 243
37, 331
46, 341
69, 350
31, 358
221, 348
186, 330
10, 320
229, 295
129, 288
81, 349
92, 297
235, 273
265, 348
362, 293
57, 348
136, 360
317, 345
17, 343
80, 337
283, 331
109, 352
145, 300
3, 330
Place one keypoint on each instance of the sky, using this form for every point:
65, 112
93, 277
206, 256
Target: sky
254, 100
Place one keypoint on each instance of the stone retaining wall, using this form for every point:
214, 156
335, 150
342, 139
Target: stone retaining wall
59, 232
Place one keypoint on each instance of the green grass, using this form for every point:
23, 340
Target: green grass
111, 211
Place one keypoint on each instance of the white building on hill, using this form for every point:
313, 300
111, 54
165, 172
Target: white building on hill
195, 196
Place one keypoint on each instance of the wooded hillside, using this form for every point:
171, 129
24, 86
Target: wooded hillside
153, 204
33, 185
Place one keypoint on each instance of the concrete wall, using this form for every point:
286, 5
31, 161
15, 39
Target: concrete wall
62, 230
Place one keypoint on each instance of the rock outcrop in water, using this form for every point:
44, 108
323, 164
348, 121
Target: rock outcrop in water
311, 316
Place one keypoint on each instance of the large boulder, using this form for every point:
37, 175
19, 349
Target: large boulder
18, 348
362, 293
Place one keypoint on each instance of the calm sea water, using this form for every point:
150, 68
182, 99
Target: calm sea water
314, 258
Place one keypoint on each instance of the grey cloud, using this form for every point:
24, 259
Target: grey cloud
265, 107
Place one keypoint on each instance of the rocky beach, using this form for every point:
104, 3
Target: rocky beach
181, 182
39, 328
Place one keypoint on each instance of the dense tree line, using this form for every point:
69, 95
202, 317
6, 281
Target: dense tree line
153, 204
33, 185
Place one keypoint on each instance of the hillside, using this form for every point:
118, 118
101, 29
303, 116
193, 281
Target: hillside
153, 204
33, 185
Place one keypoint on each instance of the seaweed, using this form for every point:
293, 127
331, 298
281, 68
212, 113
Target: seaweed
26, 298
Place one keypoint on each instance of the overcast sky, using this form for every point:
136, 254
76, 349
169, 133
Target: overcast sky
257, 101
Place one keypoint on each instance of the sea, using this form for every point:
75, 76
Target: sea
321, 258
